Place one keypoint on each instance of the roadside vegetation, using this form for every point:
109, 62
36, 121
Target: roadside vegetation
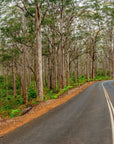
48, 47
13, 106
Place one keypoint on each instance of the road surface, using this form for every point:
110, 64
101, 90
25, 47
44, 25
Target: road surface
87, 118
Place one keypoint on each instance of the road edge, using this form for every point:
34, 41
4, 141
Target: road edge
19, 121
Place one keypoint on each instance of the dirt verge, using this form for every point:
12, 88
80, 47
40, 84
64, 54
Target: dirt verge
8, 125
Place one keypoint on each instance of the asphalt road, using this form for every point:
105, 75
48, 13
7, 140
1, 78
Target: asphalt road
85, 119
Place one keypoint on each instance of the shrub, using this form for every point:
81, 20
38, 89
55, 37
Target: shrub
82, 79
32, 93
2, 78
15, 113
61, 92
66, 88
18, 84
19, 100
90, 79
54, 96
76, 84
34, 102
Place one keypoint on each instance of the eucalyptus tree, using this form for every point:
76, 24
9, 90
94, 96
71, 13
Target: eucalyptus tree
37, 10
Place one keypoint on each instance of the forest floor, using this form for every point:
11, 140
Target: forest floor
8, 125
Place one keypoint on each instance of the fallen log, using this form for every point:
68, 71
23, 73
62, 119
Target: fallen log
26, 110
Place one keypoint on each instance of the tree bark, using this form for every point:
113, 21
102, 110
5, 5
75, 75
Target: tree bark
39, 53
54, 65
14, 78
93, 62
62, 74
67, 70
24, 69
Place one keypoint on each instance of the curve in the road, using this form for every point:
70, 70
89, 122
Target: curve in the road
111, 110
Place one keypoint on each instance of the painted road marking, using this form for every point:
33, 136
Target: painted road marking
111, 110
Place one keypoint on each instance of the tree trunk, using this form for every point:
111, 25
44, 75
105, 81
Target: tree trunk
62, 74
50, 73
39, 53
49, 83
87, 65
54, 67
24, 59
76, 71
67, 70
28, 69
7, 84
93, 63
14, 78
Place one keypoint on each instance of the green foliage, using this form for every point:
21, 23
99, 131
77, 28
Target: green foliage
32, 93
18, 84
8, 105
76, 84
54, 96
2, 78
72, 80
3, 92
99, 78
82, 79
66, 88
90, 79
15, 113
100, 72
61, 92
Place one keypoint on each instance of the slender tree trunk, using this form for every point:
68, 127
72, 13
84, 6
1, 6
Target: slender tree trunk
54, 67
49, 83
28, 69
67, 70
62, 74
29, 78
44, 72
39, 53
54, 56
93, 63
87, 65
76, 71
7, 84
14, 78
24, 59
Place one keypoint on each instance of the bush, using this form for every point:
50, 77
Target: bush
19, 100
61, 92
82, 79
67, 88
32, 93
100, 73
54, 96
3, 92
99, 78
18, 84
90, 79
15, 113
34, 102
2, 78
76, 84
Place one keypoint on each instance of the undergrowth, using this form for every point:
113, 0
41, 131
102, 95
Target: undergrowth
12, 107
